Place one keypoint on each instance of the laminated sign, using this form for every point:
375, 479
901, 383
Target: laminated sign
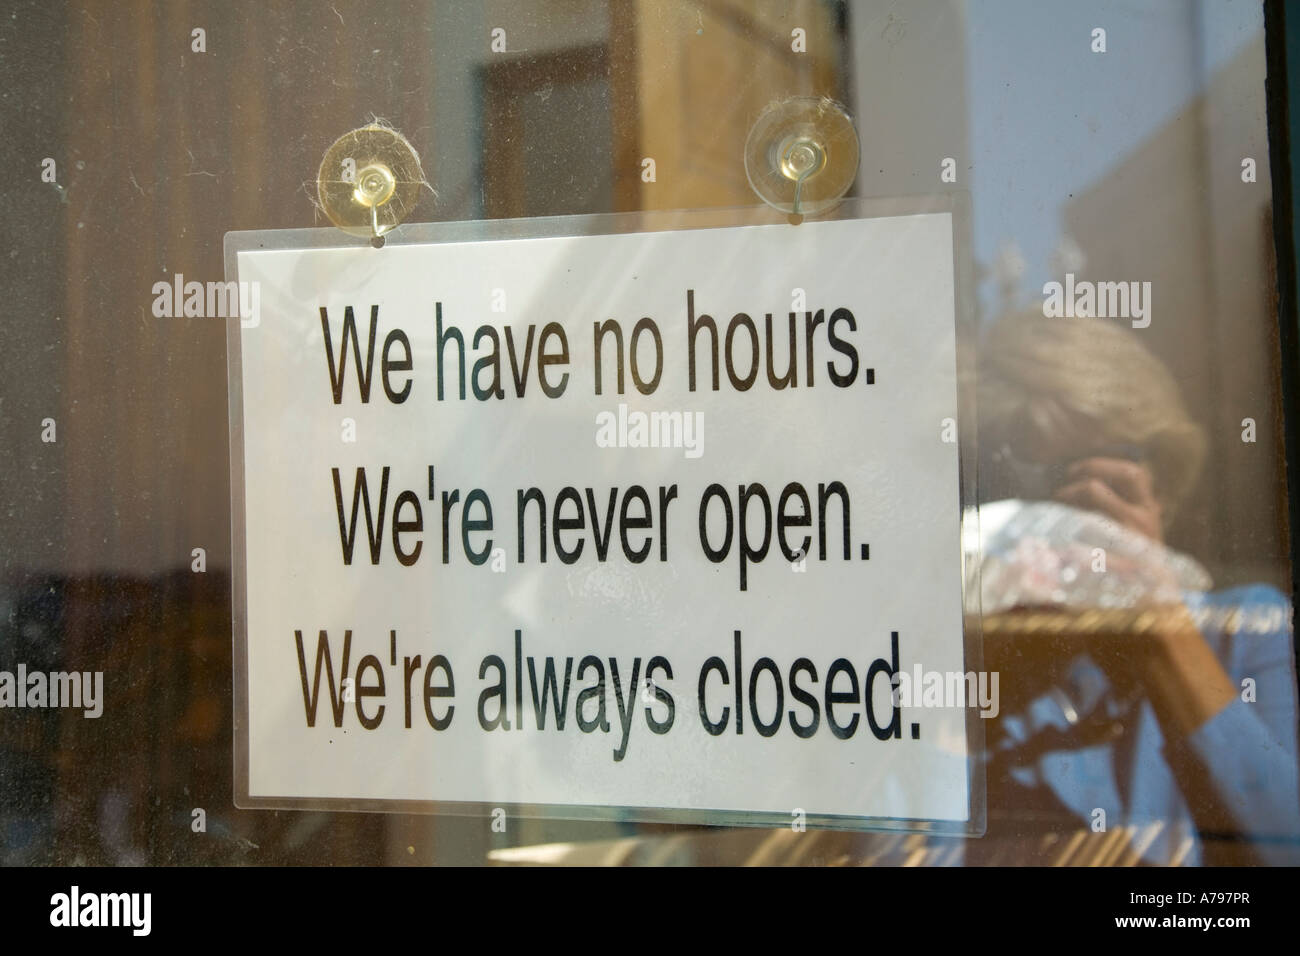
647, 519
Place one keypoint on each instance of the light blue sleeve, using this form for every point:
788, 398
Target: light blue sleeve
1248, 750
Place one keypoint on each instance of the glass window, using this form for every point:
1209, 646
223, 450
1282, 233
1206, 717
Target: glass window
1134, 556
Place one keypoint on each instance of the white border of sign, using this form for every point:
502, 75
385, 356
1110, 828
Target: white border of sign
955, 203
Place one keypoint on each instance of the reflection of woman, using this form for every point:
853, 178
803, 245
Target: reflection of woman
1155, 728
1082, 413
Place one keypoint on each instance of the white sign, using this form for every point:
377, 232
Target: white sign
640, 520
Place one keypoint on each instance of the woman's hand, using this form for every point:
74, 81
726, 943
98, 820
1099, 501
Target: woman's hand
1122, 490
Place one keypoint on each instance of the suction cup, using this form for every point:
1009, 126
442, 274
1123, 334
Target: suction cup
801, 156
369, 181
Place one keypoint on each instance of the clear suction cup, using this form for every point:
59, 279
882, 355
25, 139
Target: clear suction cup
801, 156
369, 181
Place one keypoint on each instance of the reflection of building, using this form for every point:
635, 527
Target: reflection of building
1175, 212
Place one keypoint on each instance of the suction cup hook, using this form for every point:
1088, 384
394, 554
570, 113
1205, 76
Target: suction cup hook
369, 181
801, 156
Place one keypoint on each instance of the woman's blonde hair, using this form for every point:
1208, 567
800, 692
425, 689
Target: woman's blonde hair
1095, 374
